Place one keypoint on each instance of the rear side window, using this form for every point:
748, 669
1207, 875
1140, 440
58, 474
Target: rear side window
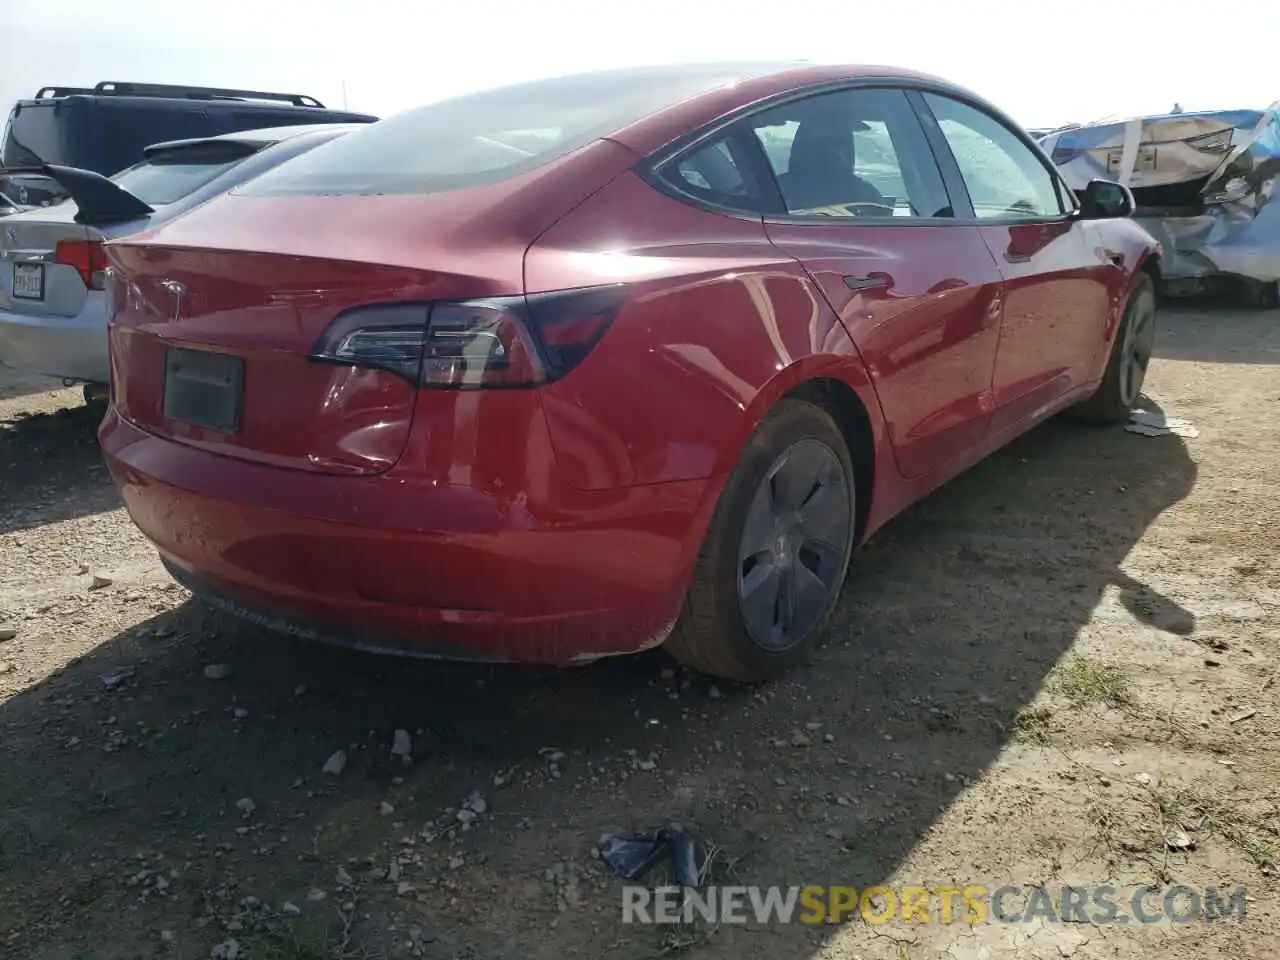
717, 173
484, 137
168, 177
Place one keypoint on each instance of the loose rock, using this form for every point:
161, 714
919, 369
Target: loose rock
402, 745
217, 671
387, 809
227, 950
291, 910
5, 667
240, 713
100, 583
246, 805
7, 633
335, 764
1180, 841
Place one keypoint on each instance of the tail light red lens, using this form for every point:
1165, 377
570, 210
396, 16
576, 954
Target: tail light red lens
87, 257
486, 343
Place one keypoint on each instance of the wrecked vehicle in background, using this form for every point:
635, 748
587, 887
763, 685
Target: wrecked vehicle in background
1204, 184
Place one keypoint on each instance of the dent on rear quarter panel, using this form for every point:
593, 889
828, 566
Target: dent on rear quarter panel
718, 325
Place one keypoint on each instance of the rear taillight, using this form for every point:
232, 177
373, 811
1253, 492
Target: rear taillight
87, 257
489, 342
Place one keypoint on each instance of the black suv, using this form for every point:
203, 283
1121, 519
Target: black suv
105, 128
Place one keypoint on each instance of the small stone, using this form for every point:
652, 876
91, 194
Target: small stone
99, 583
1143, 778
404, 888
114, 679
1179, 841
800, 740
647, 765
217, 671
5, 667
167, 936
227, 950
402, 744
246, 805
393, 872
315, 895
7, 633
299, 690
240, 713
476, 803
667, 673
835, 834
714, 692
335, 764
465, 815
386, 809
291, 910
342, 878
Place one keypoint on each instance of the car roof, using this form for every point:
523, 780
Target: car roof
263, 136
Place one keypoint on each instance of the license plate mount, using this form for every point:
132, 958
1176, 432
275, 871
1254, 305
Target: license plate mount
204, 389
28, 281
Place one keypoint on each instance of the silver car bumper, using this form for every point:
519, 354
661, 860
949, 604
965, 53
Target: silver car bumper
71, 347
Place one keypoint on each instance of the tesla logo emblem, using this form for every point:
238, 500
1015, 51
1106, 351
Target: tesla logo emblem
179, 291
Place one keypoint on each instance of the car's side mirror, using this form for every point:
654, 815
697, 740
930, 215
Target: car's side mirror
1103, 199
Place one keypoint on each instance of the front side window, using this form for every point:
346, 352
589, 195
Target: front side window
1005, 179
852, 154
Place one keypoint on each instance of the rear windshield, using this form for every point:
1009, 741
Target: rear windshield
486, 137
32, 137
169, 176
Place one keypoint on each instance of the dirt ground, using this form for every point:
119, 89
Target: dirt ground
1059, 669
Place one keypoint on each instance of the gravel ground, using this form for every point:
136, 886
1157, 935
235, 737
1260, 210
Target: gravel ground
1059, 669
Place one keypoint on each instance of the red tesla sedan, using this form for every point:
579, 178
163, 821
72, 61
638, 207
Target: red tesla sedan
585, 365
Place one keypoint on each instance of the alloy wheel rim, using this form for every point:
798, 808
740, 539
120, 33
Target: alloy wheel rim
794, 545
1135, 357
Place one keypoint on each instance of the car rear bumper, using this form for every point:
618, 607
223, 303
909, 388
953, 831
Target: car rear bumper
71, 347
393, 564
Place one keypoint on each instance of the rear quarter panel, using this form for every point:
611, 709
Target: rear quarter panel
719, 325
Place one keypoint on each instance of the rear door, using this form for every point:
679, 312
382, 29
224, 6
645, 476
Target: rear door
1056, 279
864, 208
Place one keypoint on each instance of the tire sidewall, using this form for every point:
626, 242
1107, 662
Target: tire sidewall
790, 422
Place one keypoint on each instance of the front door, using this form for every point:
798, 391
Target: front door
1056, 285
869, 218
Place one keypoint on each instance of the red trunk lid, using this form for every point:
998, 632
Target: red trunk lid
239, 316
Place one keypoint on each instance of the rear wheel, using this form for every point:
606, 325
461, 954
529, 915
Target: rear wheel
776, 552
1131, 351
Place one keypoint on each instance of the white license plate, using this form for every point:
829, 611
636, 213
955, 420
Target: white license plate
28, 281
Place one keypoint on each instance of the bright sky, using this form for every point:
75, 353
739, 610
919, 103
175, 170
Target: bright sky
1043, 63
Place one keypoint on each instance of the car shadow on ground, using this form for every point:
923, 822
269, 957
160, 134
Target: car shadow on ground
1202, 333
952, 618
52, 468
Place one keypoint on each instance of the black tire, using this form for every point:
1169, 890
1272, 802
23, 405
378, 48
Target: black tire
712, 635
95, 395
1117, 394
